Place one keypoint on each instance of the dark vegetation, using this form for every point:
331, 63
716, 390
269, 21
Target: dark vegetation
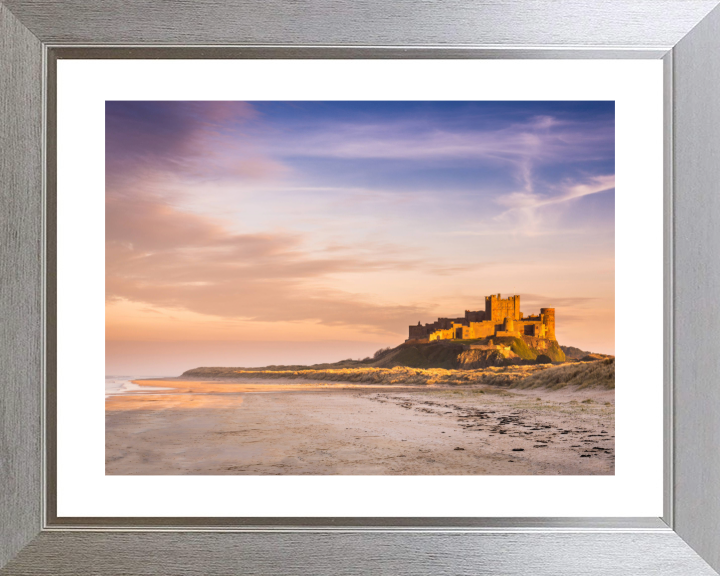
572, 353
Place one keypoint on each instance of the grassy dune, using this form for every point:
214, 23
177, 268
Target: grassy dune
399, 375
584, 374
599, 374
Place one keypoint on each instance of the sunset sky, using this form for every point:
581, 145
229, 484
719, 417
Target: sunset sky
249, 233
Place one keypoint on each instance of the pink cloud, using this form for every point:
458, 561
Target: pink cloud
162, 256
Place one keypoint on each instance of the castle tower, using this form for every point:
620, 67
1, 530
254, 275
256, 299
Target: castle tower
497, 309
489, 302
548, 319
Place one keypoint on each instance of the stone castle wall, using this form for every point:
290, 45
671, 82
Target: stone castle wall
501, 317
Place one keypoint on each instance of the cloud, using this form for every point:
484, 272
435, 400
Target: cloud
197, 140
528, 212
162, 256
542, 139
557, 301
567, 190
526, 166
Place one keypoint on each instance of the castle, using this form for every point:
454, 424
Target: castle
501, 317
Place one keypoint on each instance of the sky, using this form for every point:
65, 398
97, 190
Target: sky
254, 233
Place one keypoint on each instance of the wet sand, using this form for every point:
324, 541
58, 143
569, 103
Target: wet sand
255, 427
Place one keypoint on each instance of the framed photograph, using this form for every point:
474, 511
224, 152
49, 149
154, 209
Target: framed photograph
357, 292
277, 212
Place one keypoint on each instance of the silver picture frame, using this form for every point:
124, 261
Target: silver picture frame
685, 34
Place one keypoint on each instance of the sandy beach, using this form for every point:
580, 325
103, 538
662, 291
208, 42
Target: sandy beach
287, 427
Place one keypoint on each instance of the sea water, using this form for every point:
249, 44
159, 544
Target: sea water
115, 385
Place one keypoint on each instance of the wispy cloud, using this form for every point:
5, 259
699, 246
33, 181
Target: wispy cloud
566, 190
162, 256
528, 212
534, 214
542, 139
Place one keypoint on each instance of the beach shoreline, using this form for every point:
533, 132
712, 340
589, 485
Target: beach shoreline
254, 427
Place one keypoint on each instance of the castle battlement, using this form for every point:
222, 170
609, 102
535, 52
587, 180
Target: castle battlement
501, 317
